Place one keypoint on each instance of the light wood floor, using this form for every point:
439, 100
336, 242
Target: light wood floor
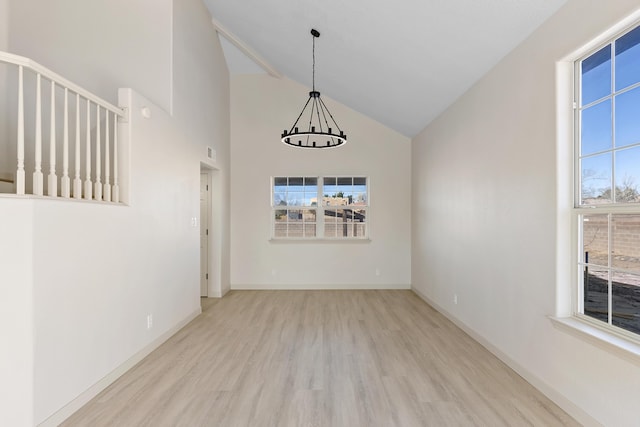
320, 358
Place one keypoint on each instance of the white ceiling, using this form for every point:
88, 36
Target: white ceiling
401, 63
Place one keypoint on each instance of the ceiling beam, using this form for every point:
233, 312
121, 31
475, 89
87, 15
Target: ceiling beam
244, 48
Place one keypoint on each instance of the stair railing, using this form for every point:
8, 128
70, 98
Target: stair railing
89, 126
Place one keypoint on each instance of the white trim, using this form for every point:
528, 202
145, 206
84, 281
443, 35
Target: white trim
316, 287
60, 199
244, 48
319, 240
601, 39
565, 229
66, 411
600, 337
563, 402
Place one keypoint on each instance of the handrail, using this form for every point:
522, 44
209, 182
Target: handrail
99, 139
53, 76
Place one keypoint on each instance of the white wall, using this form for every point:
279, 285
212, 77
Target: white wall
484, 220
98, 270
261, 107
200, 73
16, 313
4, 28
99, 45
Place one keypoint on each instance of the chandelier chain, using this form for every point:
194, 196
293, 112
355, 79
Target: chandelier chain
313, 74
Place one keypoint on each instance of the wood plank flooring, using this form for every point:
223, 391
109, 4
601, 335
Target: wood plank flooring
320, 358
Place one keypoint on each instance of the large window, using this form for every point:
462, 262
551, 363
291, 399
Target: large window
319, 207
607, 191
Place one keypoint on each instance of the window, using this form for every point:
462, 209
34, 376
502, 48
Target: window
607, 190
319, 207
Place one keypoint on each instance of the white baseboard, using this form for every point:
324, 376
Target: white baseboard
567, 405
315, 287
77, 403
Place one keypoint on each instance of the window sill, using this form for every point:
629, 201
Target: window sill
319, 240
618, 345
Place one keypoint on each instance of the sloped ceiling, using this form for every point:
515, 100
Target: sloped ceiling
401, 63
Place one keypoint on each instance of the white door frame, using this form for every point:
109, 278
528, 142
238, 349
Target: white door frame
215, 236
205, 209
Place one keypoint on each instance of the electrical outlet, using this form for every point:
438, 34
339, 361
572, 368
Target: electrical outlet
455, 298
149, 321
377, 271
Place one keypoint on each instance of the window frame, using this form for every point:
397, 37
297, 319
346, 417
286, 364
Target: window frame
320, 209
579, 210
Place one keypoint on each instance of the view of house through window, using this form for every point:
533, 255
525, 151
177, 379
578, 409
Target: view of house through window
608, 182
320, 207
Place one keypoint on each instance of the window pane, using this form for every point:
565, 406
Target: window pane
596, 294
294, 216
627, 175
625, 236
330, 188
626, 301
596, 128
628, 118
295, 198
310, 195
310, 230
359, 215
628, 59
329, 181
336, 199
596, 75
330, 230
280, 230
595, 239
360, 181
295, 230
281, 215
297, 181
360, 196
309, 215
279, 191
596, 179
333, 215
345, 181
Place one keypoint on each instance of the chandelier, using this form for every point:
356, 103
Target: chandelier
322, 131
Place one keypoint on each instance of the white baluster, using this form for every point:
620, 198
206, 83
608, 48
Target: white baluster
107, 165
116, 187
88, 193
20, 177
77, 182
52, 179
98, 184
65, 184
38, 179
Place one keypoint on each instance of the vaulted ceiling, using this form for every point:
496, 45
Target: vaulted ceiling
399, 62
